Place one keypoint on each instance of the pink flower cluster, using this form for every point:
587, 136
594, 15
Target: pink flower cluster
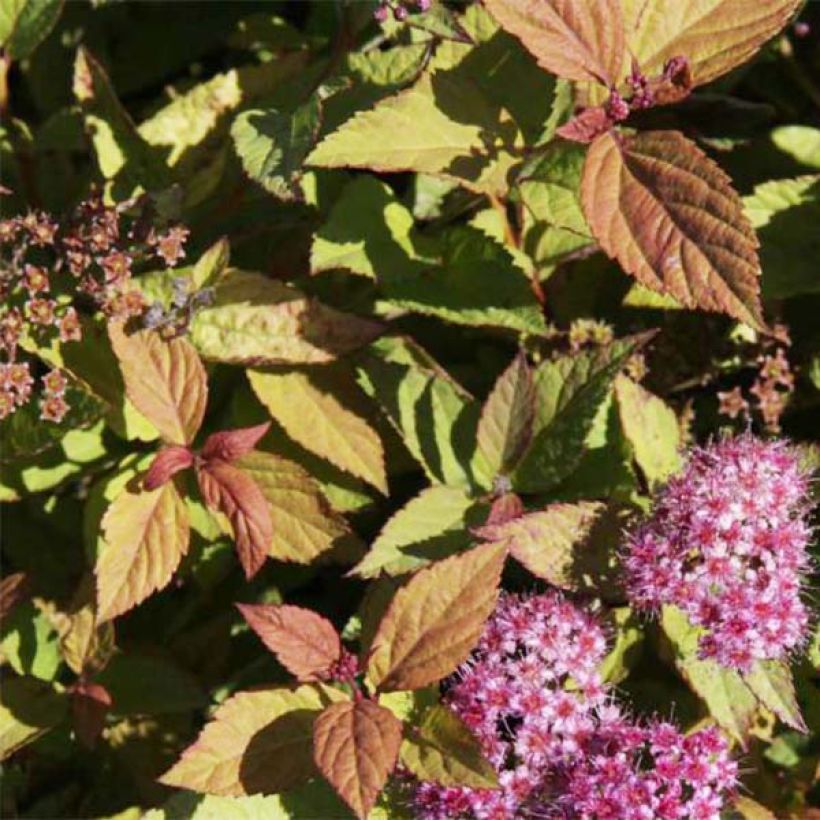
726, 543
533, 697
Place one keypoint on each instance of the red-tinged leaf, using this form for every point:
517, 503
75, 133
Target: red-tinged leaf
257, 742
305, 643
714, 36
576, 40
669, 215
544, 541
434, 621
585, 126
165, 381
356, 746
232, 444
14, 589
90, 703
506, 423
233, 492
168, 462
505, 508
146, 534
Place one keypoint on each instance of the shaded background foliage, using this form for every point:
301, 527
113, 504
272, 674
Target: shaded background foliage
215, 109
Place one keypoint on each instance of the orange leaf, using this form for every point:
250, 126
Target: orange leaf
305, 643
669, 215
434, 621
14, 589
230, 490
169, 461
232, 444
258, 741
586, 125
165, 381
146, 535
713, 35
355, 746
575, 39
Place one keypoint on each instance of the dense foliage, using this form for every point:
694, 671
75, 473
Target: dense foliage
409, 409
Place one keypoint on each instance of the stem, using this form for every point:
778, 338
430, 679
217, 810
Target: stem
5, 62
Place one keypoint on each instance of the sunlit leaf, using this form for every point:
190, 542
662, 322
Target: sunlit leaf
669, 215
24, 24
435, 620
146, 536
318, 417
257, 741
256, 320
164, 379
579, 41
305, 643
652, 429
713, 35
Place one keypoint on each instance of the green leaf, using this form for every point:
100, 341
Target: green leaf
652, 429
28, 708
172, 688
801, 142
368, 232
626, 648
728, 698
444, 750
773, 686
323, 413
780, 210
24, 24
30, 643
272, 145
570, 391
122, 154
434, 416
441, 126
429, 527
255, 320
507, 418
475, 282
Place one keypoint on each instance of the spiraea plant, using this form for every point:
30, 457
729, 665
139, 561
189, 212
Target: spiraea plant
409, 409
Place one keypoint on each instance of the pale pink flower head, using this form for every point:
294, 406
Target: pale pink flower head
727, 544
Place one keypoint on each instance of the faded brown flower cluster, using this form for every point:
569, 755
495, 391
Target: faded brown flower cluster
49, 269
772, 387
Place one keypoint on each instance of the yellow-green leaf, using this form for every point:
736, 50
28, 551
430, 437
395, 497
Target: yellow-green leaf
773, 686
356, 745
165, 381
257, 741
256, 320
431, 526
146, 535
652, 429
546, 541
434, 621
506, 424
304, 525
713, 35
316, 418
441, 126
671, 218
444, 750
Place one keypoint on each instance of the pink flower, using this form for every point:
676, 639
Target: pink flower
726, 543
533, 697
